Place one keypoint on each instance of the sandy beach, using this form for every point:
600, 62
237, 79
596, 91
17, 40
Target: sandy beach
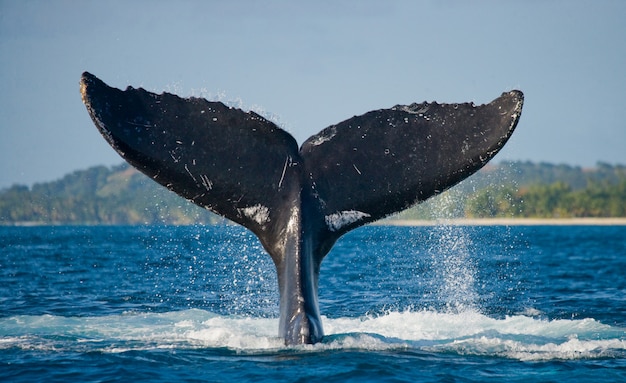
507, 222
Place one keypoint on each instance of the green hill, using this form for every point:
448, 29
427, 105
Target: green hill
122, 195
530, 190
99, 195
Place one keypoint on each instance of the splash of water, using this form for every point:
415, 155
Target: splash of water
451, 259
469, 333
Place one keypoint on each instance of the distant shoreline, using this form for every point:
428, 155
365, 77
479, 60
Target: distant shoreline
590, 221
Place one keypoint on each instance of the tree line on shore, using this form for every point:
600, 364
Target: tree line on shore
121, 195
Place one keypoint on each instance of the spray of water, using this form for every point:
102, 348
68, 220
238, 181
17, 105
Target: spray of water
452, 263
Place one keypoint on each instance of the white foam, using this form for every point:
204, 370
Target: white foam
517, 337
468, 333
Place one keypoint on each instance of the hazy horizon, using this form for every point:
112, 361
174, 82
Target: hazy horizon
122, 162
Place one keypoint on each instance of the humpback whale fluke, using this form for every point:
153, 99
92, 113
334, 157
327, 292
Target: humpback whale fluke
298, 202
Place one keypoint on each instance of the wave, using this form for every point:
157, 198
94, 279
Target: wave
520, 337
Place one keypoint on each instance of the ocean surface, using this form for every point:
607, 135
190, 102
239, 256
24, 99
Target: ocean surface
399, 304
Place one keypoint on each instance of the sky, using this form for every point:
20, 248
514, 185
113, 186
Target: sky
310, 64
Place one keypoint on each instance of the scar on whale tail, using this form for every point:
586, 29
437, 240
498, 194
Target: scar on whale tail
299, 201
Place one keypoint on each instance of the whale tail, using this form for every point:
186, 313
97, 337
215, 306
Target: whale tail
299, 201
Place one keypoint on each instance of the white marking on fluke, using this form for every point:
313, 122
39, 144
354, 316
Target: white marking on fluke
336, 221
190, 174
258, 213
320, 139
206, 182
282, 176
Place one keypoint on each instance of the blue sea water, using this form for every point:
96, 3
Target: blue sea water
415, 304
